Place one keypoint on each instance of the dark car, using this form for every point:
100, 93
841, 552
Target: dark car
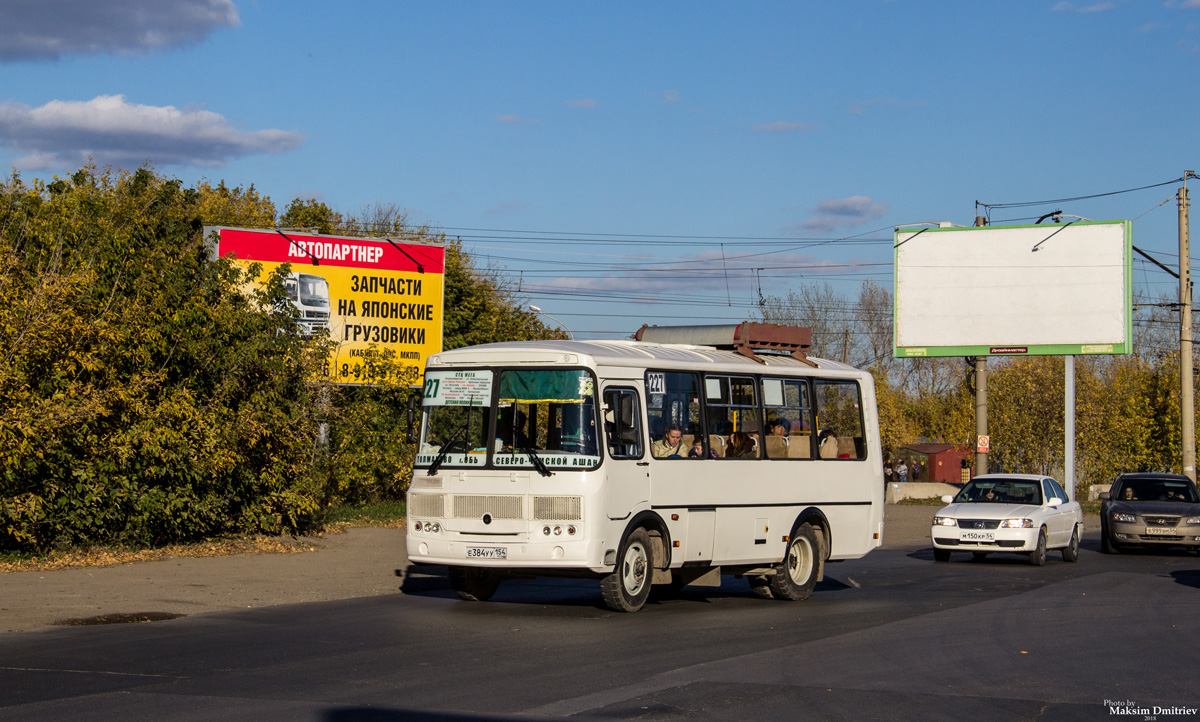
1150, 510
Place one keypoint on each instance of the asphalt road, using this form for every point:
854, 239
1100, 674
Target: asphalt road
891, 636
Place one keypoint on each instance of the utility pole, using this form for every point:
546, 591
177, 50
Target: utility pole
981, 427
1187, 403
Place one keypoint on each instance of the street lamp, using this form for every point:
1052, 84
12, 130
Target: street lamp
535, 309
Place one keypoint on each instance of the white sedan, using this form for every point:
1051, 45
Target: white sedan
1019, 513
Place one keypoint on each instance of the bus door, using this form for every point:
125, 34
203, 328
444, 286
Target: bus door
627, 472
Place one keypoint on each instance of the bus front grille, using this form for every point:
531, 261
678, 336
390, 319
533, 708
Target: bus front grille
433, 505
499, 507
557, 508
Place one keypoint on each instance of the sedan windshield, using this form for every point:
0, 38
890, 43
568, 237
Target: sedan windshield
1000, 491
1156, 490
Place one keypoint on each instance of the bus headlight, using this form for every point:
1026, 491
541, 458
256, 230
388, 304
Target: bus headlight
571, 530
428, 526
546, 530
436, 527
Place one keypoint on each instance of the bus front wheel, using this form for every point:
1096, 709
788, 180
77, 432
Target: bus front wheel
474, 584
628, 586
797, 575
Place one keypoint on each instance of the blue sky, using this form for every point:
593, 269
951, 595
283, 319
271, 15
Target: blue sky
686, 152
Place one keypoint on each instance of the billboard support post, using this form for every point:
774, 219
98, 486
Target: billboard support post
1187, 419
1069, 426
981, 428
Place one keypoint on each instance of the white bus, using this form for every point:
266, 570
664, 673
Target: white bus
642, 463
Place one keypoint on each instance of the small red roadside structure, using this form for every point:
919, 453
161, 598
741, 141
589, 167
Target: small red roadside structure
939, 462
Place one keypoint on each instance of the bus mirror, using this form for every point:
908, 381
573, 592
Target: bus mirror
627, 420
411, 436
626, 411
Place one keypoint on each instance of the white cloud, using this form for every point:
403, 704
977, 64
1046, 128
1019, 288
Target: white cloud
670, 96
782, 126
516, 119
834, 214
582, 103
64, 134
45, 30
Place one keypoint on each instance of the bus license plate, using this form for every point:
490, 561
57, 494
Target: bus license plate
487, 553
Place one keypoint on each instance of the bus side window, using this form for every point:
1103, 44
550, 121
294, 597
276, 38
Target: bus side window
731, 408
623, 423
839, 415
673, 410
788, 418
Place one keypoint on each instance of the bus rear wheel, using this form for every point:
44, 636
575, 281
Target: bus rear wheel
628, 586
474, 584
797, 575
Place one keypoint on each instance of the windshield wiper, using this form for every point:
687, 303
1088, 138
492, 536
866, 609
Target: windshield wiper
537, 462
437, 461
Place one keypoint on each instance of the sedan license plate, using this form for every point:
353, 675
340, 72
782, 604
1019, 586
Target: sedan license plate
1160, 531
487, 553
978, 536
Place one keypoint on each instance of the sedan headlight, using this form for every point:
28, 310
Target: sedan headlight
1123, 518
1192, 520
944, 521
1017, 524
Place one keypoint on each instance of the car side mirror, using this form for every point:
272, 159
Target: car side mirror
1054, 501
947, 499
1105, 496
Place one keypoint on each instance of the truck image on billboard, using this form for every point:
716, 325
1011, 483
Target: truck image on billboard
363, 293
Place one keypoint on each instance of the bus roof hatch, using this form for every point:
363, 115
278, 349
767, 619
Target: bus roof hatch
744, 338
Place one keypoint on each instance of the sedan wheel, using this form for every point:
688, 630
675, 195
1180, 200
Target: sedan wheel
1038, 556
1071, 551
941, 555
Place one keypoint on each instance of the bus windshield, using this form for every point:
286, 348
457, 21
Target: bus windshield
543, 419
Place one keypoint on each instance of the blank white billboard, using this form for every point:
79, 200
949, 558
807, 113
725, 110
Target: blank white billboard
1043, 289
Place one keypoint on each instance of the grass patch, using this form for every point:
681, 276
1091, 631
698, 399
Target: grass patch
99, 556
389, 514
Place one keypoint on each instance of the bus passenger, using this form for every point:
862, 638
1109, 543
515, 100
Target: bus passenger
697, 451
740, 445
827, 441
670, 445
779, 427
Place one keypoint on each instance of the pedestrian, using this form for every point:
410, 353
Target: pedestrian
887, 471
902, 471
915, 471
